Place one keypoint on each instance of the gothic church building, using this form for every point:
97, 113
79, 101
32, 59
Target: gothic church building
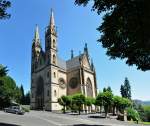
52, 77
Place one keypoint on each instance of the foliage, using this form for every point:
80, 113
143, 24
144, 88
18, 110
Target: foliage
8, 91
125, 29
116, 103
126, 89
78, 100
89, 101
64, 101
147, 113
3, 71
132, 114
107, 89
107, 101
22, 100
4, 4
125, 103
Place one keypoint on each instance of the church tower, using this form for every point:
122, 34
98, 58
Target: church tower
51, 61
51, 42
36, 48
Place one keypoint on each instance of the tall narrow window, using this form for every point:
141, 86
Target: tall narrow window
55, 93
54, 43
54, 74
47, 92
54, 59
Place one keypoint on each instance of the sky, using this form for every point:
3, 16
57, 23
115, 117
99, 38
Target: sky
76, 26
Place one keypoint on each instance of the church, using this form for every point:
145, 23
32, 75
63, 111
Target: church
52, 77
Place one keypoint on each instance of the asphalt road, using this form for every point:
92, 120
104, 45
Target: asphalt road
42, 118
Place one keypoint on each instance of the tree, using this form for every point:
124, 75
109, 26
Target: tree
99, 101
4, 4
27, 98
64, 101
124, 104
78, 100
125, 29
107, 101
116, 104
22, 100
89, 101
126, 89
107, 89
3, 71
8, 91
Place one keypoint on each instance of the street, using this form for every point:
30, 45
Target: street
42, 118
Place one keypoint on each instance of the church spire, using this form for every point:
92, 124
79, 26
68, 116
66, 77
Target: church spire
86, 49
52, 21
72, 54
37, 36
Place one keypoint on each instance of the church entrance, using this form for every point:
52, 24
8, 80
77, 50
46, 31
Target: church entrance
40, 93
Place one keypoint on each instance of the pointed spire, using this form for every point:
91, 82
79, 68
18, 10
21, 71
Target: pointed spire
52, 21
86, 49
72, 54
37, 36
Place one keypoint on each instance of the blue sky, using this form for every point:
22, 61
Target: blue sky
76, 25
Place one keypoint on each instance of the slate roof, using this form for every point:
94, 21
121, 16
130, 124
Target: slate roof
61, 63
74, 62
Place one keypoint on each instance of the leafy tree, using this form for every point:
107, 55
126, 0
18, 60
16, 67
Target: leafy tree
78, 100
125, 29
3, 71
99, 100
64, 101
8, 91
126, 89
116, 104
107, 89
107, 101
4, 4
124, 104
89, 101
132, 114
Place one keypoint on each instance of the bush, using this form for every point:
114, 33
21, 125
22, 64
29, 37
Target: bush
147, 113
26, 109
132, 114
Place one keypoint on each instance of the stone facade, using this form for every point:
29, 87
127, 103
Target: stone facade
52, 77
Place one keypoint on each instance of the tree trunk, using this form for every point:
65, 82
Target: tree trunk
64, 109
79, 110
106, 111
114, 110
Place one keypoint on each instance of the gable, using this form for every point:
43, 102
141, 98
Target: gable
85, 62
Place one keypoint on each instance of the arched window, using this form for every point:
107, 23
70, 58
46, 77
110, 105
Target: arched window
54, 43
89, 89
54, 59
55, 93
54, 74
73, 83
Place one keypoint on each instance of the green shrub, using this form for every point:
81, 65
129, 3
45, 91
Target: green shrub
26, 109
132, 114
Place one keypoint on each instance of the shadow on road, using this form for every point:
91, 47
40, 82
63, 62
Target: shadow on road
88, 125
96, 117
6, 124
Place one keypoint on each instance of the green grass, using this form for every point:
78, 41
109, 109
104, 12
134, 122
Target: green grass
145, 123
